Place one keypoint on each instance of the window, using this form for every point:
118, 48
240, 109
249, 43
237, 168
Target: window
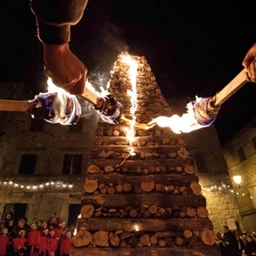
241, 154
199, 162
72, 164
73, 212
27, 164
19, 209
37, 125
76, 127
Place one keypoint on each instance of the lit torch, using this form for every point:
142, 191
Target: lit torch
58, 106
203, 111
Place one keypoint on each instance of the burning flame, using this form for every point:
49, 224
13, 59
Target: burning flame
186, 123
65, 107
103, 93
133, 97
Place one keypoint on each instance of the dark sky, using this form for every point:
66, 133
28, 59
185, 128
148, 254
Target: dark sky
195, 47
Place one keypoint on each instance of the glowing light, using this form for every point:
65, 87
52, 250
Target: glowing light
35, 186
186, 123
237, 179
130, 134
136, 228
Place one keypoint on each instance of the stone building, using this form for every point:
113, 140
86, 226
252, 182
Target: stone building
240, 155
43, 166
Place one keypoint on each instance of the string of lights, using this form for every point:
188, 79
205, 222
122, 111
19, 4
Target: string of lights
224, 188
36, 186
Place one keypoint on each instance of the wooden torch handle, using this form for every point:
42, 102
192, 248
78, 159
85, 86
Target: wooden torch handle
233, 86
15, 105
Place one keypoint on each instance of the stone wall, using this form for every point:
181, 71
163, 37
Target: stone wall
244, 165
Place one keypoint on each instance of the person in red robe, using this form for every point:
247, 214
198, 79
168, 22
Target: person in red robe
65, 244
20, 244
52, 243
34, 237
4, 241
43, 243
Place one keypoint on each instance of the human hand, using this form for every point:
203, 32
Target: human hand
64, 68
249, 63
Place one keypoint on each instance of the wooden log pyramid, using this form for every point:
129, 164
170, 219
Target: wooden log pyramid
145, 204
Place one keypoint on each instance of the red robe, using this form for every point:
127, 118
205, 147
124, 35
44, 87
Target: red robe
65, 245
43, 244
51, 244
34, 238
4, 241
19, 242
57, 233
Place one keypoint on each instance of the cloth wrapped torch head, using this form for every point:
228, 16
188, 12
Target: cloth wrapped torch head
109, 109
205, 111
64, 108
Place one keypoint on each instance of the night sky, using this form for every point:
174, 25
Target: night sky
194, 47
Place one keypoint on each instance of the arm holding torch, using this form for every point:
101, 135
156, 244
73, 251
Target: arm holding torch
54, 20
206, 110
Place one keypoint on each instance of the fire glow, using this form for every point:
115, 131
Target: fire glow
130, 134
185, 123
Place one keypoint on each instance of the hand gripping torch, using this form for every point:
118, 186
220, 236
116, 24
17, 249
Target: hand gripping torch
64, 108
206, 110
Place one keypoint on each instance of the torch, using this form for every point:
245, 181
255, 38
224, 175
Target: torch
203, 111
58, 106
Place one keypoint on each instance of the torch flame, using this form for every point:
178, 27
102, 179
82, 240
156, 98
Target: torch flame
186, 123
65, 106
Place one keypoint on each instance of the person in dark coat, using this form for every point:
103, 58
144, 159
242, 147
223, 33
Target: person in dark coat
230, 242
250, 247
21, 226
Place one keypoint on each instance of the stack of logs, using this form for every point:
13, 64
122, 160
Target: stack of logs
149, 203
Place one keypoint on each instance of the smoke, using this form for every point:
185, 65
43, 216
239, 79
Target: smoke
87, 109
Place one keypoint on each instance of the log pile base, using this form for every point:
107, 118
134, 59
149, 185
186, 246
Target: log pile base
147, 251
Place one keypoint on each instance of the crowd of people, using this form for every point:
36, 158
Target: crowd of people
41, 238
232, 244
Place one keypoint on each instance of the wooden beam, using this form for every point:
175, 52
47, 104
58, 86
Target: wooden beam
147, 225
